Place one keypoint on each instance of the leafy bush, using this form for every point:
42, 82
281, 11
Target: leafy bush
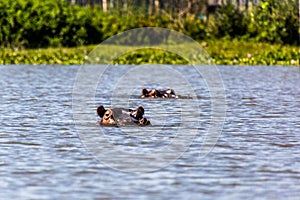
56, 23
195, 28
35, 23
275, 21
229, 21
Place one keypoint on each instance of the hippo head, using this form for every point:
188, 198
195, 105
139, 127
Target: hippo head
152, 93
107, 116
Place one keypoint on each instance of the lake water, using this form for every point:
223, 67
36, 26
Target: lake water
48, 153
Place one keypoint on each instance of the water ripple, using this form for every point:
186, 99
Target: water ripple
257, 155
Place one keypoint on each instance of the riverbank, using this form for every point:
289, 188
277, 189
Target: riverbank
223, 52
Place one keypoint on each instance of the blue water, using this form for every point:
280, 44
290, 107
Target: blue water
257, 155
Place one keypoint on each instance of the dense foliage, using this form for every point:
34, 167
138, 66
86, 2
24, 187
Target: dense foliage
55, 23
275, 21
34, 23
230, 21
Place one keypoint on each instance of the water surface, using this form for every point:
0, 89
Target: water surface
256, 157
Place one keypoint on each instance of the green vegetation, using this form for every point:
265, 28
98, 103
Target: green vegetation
267, 34
273, 21
253, 53
221, 51
44, 56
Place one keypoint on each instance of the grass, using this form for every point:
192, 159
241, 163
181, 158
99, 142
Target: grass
223, 52
252, 53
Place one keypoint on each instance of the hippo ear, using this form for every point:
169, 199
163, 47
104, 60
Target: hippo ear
145, 91
141, 110
172, 92
138, 113
101, 111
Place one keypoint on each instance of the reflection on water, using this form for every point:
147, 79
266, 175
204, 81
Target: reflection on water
256, 157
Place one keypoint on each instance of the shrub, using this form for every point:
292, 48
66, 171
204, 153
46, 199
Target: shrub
275, 21
229, 21
35, 23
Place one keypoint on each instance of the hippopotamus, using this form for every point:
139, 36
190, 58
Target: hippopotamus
154, 93
121, 117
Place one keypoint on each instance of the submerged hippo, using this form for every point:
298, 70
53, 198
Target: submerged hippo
121, 117
169, 93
